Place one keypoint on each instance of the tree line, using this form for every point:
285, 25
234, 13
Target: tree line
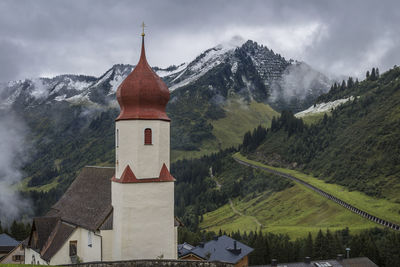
18, 230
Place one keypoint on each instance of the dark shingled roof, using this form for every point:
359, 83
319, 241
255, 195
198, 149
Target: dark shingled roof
354, 262
43, 226
87, 202
358, 262
56, 239
222, 249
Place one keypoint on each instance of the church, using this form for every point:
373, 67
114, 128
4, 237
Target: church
121, 213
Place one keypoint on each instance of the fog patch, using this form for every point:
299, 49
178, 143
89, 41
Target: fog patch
299, 81
13, 154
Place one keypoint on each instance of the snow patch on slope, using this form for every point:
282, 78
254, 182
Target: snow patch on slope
206, 61
164, 73
323, 107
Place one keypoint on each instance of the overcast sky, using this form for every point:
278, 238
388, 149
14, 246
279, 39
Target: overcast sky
50, 37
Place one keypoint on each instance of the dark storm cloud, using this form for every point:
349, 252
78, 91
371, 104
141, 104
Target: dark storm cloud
49, 37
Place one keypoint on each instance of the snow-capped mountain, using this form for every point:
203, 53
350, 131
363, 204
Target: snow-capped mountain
71, 117
250, 70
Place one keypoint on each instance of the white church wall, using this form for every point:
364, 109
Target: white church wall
145, 160
32, 256
143, 221
84, 252
107, 245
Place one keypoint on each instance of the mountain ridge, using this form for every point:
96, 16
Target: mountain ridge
70, 117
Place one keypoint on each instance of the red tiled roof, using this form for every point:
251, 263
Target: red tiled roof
129, 177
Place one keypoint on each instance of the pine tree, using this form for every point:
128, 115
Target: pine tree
319, 246
373, 75
367, 75
309, 246
331, 248
350, 82
343, 86
18, 230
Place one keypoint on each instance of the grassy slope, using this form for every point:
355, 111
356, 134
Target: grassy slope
296, 211
382, 208
229, 131
314, 118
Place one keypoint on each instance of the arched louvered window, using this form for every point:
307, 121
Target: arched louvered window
147, 136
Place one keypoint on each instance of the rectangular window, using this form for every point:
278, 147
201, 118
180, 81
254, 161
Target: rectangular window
89, 238
147, 136
73, 248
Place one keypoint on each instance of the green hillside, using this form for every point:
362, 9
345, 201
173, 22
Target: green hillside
356, 147
229, 130
295, 211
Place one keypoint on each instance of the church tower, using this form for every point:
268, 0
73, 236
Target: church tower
143, 188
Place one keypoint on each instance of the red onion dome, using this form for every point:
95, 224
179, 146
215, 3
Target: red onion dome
143, 95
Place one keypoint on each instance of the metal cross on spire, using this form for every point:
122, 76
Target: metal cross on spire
143, 25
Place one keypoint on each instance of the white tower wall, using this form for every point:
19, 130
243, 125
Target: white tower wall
143, 221
144, 160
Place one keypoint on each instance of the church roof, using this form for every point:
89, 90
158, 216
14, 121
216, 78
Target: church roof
143, 95
87, 202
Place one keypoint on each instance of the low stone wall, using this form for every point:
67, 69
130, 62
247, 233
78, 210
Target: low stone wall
148, 263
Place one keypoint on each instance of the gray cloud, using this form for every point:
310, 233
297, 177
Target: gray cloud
47, 37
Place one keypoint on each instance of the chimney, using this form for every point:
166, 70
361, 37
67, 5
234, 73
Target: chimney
234, 245
307, 260
340, 257
215, 238
201, 244
274, 263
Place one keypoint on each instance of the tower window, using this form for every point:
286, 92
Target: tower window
147, 136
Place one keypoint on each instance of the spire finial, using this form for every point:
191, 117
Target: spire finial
143, 25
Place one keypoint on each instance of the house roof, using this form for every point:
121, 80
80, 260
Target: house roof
87, 202
358, 262
184, 249
42, 226
221, 249
7, 241
56, 240
353, 262
52, 233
